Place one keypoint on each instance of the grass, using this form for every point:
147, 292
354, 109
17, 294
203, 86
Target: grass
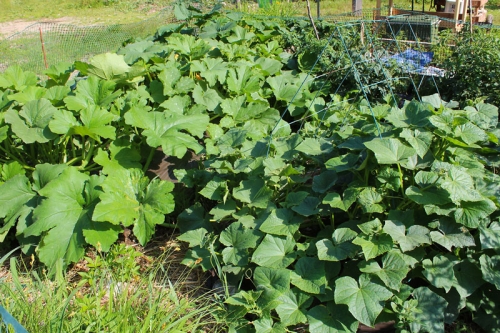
123, 291
83, 11
67, 43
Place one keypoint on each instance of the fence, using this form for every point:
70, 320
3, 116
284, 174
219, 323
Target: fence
67, 43
44, 44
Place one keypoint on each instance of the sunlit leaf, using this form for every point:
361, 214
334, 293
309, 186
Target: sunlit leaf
365, 300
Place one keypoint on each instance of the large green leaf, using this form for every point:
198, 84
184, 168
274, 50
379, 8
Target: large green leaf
371, 200
490, 267
253, 192
56, 94
272, 278
130, 199
332, 318
339, 248
284, 89
429, 195
216, 27
64, 217
335, 200
15, 78
195, 237
223, 209
309, 275
490, 236
293, 307
29, 94
3, 132
241, 111
390, 150
189, 46
281, 222
31, 124
416, 235
460, 186
471, 213
470, 133
414, 114
165, 131
374, 245
275, 252
308, 206
484, 115
109, 66
169, 76
95, 123
206, 96
468, 277
342, 163
439, 272
243, 80
240, 35
451, 235
215, 189
212, 69
268, 66
394, 269
92, 91
432, 307
324, 181
15, 195
365, 301
144, 49
266, 324
419, 140
63, 122
121, 156
237, 240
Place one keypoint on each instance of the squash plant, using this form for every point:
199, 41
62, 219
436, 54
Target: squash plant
323, 212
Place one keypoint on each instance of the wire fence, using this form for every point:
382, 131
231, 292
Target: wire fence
44, 44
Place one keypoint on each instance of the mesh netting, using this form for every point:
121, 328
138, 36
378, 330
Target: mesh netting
67, 43
376, 61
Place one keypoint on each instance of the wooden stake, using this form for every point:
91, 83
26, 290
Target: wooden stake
311, 18
43, 49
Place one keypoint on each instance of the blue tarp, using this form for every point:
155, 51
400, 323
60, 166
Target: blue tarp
414, 58
416, 62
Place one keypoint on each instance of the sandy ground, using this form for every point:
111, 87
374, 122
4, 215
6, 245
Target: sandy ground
9, 28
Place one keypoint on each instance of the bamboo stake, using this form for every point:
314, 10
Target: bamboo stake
311, 18
470, 16
43, 49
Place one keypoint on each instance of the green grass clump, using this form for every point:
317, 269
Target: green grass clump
122, 291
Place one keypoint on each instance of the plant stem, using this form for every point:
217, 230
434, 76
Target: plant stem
149, 159
401, 180
74, 160
20, 160
90, 153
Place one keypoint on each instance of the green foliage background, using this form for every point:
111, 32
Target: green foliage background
321, 210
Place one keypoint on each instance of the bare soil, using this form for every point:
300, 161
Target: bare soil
9, 28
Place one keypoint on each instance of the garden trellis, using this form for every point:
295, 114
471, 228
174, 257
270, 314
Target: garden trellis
377, 60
